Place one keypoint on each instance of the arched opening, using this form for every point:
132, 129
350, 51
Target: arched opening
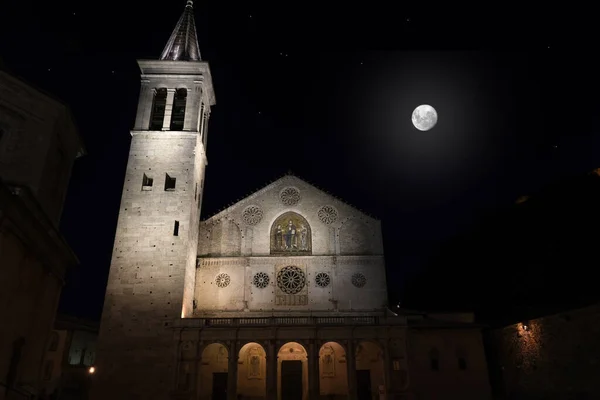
252, 372
159, 104
291, 235
369, 370
178, 111
292, 372
212, 383
333, 372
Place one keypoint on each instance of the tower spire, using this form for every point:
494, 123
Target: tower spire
183, 43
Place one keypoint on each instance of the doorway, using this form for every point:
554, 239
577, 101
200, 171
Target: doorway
363, 384
291, 380
219, 386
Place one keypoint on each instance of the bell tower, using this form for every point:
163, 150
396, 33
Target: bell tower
152, 271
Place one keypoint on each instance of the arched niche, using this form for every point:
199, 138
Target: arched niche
291, 235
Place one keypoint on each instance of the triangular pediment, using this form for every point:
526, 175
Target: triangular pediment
290, 193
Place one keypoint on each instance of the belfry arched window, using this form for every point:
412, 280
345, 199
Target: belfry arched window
158, 109
291, 235
178, 113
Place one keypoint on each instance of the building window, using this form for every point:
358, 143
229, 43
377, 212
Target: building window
396, 365
201, 120
147, 182
461, 358
48, 370
158, 109
176, 229
53, 346
196, 191
434, 359
169, 183
178, 113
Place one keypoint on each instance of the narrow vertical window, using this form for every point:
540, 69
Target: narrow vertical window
48, 370
169, 183
461, 357
196, 192
201, 120
178, 113
176, 229
158, 109
434, 359
147, 182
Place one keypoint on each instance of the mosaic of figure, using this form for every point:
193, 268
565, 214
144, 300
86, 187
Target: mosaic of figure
327, 361
290, 233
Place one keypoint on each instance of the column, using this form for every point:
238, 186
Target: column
168, 109
271, 371
351, 363
313, 369
232, 371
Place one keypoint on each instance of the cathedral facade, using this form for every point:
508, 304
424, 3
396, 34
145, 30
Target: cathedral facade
280, 296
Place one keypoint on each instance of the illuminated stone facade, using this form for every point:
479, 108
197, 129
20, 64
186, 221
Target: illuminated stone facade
280, 296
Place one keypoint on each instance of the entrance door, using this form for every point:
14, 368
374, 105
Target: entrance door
291, 380
363, 384
219, 386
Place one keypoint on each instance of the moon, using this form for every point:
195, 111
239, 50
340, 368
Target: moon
424, 117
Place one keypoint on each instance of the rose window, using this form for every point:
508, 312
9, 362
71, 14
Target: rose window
290, 196
291, 279
252, 215
222, 280
327, 214
322, 279
261, 280
359, 280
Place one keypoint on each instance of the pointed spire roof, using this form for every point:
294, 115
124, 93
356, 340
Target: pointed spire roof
183, 43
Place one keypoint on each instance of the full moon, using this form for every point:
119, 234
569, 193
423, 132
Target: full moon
424, 117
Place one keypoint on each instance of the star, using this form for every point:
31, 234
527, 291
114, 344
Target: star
250, 16
407, 19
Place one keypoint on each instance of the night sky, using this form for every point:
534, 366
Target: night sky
327, 94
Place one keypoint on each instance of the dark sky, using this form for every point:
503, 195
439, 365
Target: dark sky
327, 94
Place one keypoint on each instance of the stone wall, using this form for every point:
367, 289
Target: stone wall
553, 357
251, 284
435, 366
146, 283
246, 227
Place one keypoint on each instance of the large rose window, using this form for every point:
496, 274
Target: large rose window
291, 280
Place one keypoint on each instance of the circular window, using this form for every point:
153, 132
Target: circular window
322, 279
289, 196
252, 215
261, 280
222, 280
291, 279
359, 280
327, 215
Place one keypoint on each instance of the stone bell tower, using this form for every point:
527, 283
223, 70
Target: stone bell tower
152, 272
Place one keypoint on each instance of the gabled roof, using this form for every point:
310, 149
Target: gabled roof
183, 43
287, 175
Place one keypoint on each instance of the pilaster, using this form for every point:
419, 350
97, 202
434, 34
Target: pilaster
142, 119
313, 369
351, 364
271, 371
232, 373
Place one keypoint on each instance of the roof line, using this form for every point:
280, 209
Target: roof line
264, 188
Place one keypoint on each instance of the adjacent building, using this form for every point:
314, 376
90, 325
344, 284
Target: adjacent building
281, 296
69, 362
38, 146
